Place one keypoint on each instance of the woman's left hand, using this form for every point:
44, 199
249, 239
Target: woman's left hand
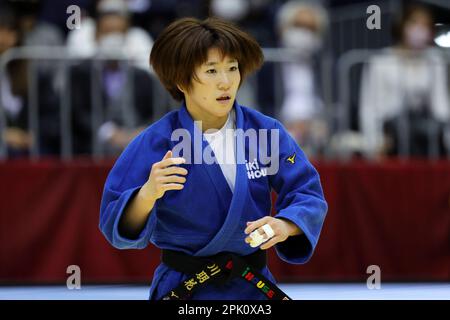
282, 229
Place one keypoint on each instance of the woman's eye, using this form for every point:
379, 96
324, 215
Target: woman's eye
211, 71
234, 68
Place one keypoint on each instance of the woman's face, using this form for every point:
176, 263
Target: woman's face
213, 95
417, 31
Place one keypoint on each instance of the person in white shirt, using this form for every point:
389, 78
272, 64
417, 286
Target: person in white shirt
302, 26
111, 32
404, 99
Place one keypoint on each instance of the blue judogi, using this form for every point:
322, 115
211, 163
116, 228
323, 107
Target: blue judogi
206, 217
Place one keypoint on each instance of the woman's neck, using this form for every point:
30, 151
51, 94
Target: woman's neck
217, 123
208, 121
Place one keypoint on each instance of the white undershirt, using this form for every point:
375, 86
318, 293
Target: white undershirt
222, 143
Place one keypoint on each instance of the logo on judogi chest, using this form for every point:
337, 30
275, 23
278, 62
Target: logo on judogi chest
254, 171
291, 159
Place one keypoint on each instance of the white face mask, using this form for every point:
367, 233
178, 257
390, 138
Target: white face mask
417, 36
230, 9
111, 43
302, 39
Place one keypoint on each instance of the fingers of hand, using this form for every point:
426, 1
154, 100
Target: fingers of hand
168, 166
170, 179
171, 162
168, 160
270, 243
173, 170
168, 182
172, 186
249, 239
253, 225
170, 175
167, 155
166, 175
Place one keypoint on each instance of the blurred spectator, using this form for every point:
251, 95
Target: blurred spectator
250, 15
123, 97
404, 98
301, 26
36, 32
155, 15
233, 10
55, 12
15, 102
111, 28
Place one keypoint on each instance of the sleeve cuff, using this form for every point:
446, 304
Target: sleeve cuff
143, 238
295, 249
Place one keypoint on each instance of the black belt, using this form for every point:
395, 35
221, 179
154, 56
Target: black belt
219, 269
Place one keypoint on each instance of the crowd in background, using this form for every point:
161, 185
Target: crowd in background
403, 92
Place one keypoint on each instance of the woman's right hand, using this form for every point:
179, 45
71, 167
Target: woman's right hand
165, 175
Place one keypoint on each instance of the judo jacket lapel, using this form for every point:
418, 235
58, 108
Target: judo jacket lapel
237, 201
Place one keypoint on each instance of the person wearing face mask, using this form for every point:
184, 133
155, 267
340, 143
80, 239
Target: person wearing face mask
251, 15
234, 10
111, 33
124, 99
404, 107
302, 26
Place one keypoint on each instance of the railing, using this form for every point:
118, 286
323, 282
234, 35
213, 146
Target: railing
62, 57
349, 61
63, 61
336, 111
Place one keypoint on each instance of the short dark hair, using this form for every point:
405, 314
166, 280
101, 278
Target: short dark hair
408, 11
184, 45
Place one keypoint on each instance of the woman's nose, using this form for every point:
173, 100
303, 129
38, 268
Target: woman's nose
224, 80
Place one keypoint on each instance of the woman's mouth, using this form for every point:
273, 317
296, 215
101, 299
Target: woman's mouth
224, 99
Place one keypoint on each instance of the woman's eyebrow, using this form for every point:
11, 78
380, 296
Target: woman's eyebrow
211, 63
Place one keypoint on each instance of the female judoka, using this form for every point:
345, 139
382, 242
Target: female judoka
193, 185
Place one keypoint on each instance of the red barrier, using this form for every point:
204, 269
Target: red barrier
395, 215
